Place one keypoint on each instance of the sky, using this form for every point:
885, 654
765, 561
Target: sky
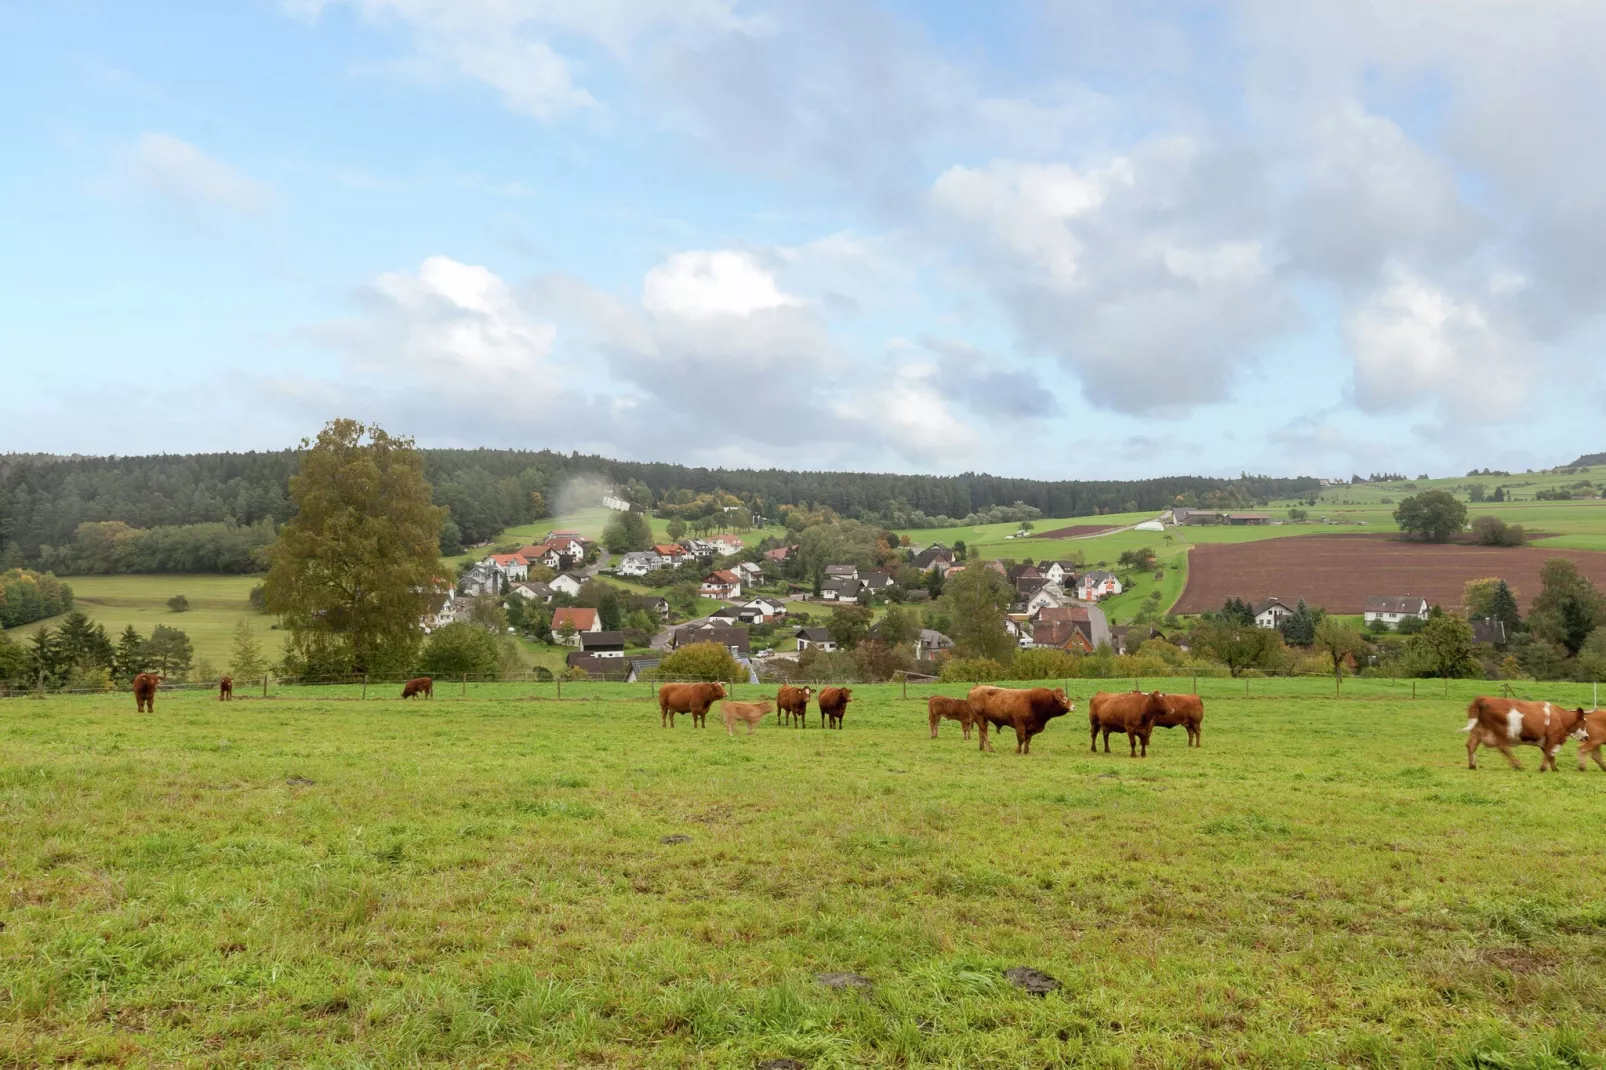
1063, 239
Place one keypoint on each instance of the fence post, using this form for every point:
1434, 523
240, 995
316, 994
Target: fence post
264, 685
1195, 683
1246, 687
1338, 684
464, 692
905, 684
1413, 689
559, 679
1137, 684
365, 687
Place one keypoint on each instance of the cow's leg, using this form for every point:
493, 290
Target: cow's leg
966, 726
1595, 754
981, 732
1473, 742
1107, 739
1094, 742
934, 718
1505, 748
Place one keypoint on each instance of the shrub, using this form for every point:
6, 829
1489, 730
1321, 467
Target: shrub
461, 648
701, 661
1492, 531
178, 604
1044, 665
971, 670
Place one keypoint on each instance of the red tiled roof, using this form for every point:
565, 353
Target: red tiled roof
507, 559
582, 619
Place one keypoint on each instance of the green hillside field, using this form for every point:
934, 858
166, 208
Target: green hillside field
510, 880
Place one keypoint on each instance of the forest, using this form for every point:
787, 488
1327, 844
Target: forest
44, 500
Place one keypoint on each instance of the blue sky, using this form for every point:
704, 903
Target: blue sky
1055, 238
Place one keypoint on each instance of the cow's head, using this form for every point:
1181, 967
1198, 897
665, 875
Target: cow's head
1155, 707
1580, 730
807, 692
847, 696
719, 690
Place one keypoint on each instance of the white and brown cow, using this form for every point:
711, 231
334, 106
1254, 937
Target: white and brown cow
1502, 723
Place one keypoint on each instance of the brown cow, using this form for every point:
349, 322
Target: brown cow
145, 685
1594, 729
1132, 712
1026, 710
688, 698
792, 705
954, 709
225, 689
1500, 722
1184, 710
749, 712
421, 685
833, 704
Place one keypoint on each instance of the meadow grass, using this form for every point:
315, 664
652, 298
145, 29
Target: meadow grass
217, 605
313, 880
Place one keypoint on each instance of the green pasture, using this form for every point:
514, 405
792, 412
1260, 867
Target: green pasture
217, 605
484, 881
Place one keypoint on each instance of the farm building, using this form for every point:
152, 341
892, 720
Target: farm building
1391, 609
1240, 519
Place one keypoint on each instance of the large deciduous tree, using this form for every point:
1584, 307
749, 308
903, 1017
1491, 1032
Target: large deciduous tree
975, 601
1444, 647
354, 570
1568, 606
1432, 516
626, 532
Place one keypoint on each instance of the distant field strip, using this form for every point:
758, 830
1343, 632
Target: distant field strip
1338, 572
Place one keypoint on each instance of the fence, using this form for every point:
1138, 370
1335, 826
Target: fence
913, 686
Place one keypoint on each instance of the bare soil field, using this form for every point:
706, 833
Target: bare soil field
1072, 532
1338, 572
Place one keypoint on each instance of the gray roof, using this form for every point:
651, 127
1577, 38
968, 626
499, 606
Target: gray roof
815, 635
589, 640
847, 587
1395, 603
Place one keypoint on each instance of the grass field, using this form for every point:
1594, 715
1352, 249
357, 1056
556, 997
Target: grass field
217, 605
311, 880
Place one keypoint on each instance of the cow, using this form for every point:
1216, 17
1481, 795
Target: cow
1184, 710
833, 704
145, 685
749, 712
421, 685
1500, 722
954, 709
1594, 729
792, 705
1132, 712
225, 689
688, 698
1026, 710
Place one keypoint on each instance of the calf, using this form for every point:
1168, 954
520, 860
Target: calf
1132, 712
1026, 710
939, 707
792, 705
1184, 710
833, 704
1594, 729
422, 685
688, 698
145, 685
1500, 722
225, 689
749, 712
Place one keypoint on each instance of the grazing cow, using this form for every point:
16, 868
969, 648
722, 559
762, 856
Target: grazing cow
422, 685
1184, 710
1026, 710
1132, 712
749, 712
688, 698
1500, 722
792, 705
954, 709
1594, 729
225, 689
833, 704
145, 685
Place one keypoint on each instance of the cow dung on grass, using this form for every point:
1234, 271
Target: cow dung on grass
679, 837
844, 980
1035, 982
780, 1064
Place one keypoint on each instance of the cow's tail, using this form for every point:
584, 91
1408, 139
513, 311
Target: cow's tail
1473, 709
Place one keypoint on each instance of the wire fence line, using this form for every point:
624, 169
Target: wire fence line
912, 686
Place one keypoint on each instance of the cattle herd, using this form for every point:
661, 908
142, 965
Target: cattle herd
1491, 722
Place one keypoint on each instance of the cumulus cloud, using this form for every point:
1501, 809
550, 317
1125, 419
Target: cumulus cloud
701, 284
987, 386
184, 175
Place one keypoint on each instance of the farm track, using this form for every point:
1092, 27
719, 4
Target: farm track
1338, 572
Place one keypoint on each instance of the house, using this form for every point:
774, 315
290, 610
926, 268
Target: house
603, 644
815, 639
780, 554
1489, 630
765, 609
535, 592
651, 604
724, 545
877, 580
722, 584
639, 563
1025, 571
1061, 635
1241, 519
846, 590
730, 636
934, 557
512, 567
571, 547
841, 572
1097, 584
1026, 588
1393, 608
673, 555
638, 668
545, 554
1045, 597
568, 583
1087, 619
1272, 612
598, 668
749, 573
932, 643
1054, 572
567, 536
582, 620
481, 579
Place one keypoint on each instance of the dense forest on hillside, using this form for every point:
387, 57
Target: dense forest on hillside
43, 499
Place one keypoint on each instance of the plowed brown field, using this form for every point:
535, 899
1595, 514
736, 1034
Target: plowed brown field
1338, 572
1072, 532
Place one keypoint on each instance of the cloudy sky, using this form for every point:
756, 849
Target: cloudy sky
1055, 238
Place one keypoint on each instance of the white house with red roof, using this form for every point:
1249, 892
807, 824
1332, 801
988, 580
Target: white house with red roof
722, 584
582, 620
513, 567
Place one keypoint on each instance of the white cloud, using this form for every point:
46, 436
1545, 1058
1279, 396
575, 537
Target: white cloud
908, 410
454, 319
185, 175
721, 282
1413, 341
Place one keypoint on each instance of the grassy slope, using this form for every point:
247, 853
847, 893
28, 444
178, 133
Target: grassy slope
217, 604
482, 882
